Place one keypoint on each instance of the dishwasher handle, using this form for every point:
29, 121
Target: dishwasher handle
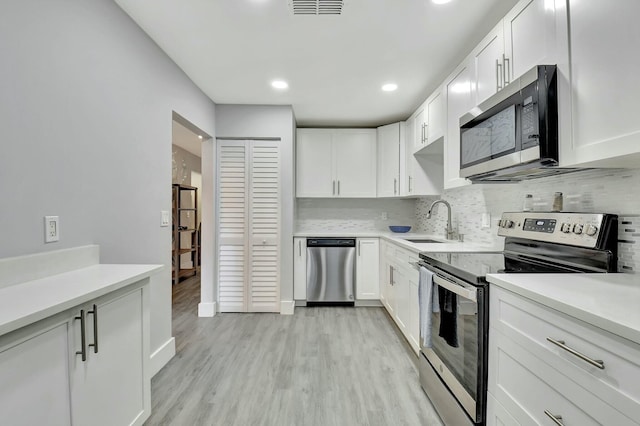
331, 242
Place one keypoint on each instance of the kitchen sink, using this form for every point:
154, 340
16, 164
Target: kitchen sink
424, 241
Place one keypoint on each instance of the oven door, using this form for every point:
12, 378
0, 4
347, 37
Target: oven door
458, 341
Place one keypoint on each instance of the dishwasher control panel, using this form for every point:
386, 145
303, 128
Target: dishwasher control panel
331, 242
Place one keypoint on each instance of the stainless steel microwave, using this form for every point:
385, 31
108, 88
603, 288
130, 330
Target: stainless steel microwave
513, 135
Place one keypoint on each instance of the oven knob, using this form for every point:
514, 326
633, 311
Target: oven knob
566, 228
577, 229
508, 224
591, 230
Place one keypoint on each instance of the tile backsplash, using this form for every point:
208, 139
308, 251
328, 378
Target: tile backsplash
597, 190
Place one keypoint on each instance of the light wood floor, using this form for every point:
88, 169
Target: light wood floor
321, 366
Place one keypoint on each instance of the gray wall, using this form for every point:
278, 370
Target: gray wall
85, 129
259, 121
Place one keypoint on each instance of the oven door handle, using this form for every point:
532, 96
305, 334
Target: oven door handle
456, 288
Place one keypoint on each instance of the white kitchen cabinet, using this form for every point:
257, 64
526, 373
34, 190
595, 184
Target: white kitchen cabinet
387, 296
389, 160
413, 324
47, 381
111, 386
488, 75
336, 163
367, 269
300, 269
526, 37
459, 102
436, 117
35, 379
605, 131
530, 376
419, 127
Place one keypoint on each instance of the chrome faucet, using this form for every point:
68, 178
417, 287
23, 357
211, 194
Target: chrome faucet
449, 230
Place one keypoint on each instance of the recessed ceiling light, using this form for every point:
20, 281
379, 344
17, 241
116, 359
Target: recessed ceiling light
199, 136
279, 84
389, 87
440, 1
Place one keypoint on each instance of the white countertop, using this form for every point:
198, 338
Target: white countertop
607, 301
25, 303
401, 239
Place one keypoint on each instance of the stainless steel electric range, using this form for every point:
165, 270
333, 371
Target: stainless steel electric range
453, 358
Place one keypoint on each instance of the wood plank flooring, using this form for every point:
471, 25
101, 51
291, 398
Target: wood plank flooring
321, 366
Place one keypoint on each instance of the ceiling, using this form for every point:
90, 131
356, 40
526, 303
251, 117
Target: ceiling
335, 65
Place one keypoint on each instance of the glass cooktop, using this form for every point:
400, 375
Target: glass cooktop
470, 266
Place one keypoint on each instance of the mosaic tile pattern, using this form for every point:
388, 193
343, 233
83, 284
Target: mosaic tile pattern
338, 215
601, 190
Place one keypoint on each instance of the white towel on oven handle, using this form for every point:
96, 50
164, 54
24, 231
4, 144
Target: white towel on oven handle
428, 303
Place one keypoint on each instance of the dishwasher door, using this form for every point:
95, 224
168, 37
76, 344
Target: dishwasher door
331, 271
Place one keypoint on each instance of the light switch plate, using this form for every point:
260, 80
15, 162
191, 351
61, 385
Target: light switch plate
165, 218
51, 229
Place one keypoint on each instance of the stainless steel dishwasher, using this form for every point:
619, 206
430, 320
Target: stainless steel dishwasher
331, 271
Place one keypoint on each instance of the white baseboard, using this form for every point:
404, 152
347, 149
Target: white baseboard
207, 309
368, 303
287, 307
162, 356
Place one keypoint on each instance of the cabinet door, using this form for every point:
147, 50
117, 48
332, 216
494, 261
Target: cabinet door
496, 414
367, 267
413, 319
459, 102
420, 128
437, 122
354, 153
388, 289
314, 163
401, 293
111, 387
488, 65
389, 160
529, 37
35, 380
300, 269
604, 84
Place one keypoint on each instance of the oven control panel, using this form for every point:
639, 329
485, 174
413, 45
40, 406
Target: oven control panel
576, 229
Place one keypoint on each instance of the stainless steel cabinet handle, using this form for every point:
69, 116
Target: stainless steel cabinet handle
409, 184
595, 362
359, 247
94, 312
334, 187
83, 337
395, 185
498, 72
424, 132
300, 248
338, 187
556, 419
506, 79
390, 274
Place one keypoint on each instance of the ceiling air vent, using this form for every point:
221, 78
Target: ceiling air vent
316, 7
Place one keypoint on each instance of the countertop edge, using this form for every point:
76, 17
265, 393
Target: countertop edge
105, 285
607, 324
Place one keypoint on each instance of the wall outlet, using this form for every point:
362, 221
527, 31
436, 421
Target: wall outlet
165, 218
51, 229
384, 216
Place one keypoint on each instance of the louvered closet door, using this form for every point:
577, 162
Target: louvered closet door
249, 226
232, 226
264, 227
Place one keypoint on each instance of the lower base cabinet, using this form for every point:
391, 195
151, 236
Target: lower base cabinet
52, 375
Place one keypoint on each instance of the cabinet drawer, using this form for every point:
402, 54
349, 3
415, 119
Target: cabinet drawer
529, 388
531, 324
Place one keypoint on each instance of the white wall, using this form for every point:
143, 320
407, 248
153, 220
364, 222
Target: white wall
259, 121
85, 127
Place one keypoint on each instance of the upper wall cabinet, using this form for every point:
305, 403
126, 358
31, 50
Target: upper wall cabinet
605, 130
389, 160
336, 163
458, 90
422, 173
428, 122
526, 37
